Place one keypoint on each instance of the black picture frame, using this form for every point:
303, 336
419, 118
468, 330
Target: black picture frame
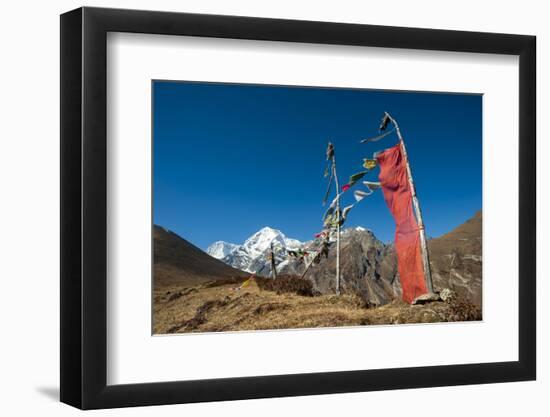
84, 207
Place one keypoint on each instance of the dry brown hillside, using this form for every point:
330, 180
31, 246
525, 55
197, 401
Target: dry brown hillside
219, 306
176, 261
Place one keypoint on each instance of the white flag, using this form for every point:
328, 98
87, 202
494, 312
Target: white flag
359, 195
346, 211
372, 185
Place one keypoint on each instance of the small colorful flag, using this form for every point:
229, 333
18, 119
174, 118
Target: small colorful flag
359, 195
356, 177
353, 180
346, 211
372, 185
330, 151
384, 123
377, 138
369, 163
329, 212
328, 187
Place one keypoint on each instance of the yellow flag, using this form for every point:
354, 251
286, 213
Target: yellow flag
369, 163
247, 282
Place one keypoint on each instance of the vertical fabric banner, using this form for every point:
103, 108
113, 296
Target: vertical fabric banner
398, 196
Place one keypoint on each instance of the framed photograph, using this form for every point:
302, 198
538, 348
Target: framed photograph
257, 208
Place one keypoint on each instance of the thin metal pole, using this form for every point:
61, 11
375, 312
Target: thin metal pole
337, 226
418, 212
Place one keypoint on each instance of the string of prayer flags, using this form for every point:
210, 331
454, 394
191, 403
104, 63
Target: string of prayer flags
299, 253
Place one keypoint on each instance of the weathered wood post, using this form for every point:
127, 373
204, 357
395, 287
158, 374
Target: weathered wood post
418, 212
307, 266
337, 185
273, 266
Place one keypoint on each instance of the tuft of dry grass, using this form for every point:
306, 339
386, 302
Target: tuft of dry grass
287, 284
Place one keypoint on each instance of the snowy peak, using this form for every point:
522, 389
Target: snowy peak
260, 241
221, 249
356, 229
253, 254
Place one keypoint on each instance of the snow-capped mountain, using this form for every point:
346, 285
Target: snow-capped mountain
252, 255
260, 241
221, 249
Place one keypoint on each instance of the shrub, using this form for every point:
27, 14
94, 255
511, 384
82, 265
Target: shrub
287, 284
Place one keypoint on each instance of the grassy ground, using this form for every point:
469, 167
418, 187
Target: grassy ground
215, 307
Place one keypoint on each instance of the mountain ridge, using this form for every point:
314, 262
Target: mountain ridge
253, 254
368, 266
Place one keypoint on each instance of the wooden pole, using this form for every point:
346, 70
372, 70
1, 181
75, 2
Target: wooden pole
337, 226
307, 267
418, 212
453, 256
273, 266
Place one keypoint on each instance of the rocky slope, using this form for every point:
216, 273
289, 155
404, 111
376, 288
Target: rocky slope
456, 259
369, 268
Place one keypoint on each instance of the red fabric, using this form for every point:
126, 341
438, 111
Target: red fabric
398, 196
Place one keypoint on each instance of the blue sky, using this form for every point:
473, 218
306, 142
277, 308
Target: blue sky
230, 159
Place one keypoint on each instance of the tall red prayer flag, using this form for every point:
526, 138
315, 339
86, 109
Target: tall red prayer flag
398, 196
